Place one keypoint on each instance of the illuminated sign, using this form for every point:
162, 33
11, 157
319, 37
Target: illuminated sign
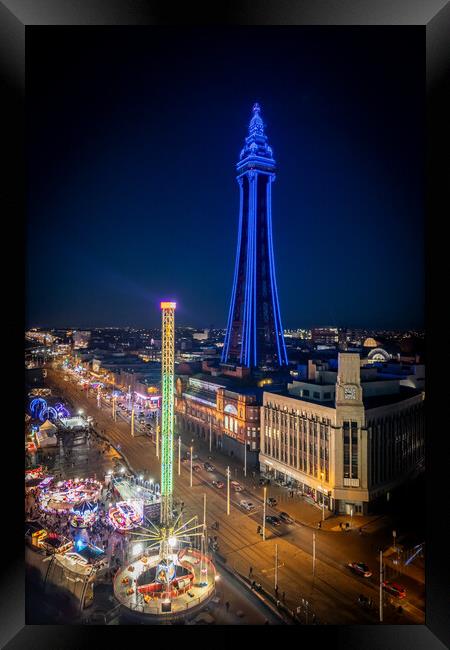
168, 305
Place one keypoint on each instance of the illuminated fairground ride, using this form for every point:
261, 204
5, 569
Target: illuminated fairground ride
66, 495
40, 409
125, 515
84, 515
169, 576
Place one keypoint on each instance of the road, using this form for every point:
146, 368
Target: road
332, 592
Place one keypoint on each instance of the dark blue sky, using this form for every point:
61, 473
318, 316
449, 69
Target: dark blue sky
133, 138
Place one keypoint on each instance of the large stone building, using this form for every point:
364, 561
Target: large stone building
344, 437
207, 405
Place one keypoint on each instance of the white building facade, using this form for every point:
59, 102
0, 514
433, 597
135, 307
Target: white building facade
350, 444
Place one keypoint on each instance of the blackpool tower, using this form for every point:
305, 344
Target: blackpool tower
254, 336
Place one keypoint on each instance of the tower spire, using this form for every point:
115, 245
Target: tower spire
256, 142
256, 126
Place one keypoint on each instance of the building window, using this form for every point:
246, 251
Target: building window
346, 439
316, 395
306, 393
354, 450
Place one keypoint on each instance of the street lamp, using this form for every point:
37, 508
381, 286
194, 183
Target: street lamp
351, 517
323, 500
157, 434
228, 490
381, 586
276, 566
264, 514
245, 455
314, 554
191, 466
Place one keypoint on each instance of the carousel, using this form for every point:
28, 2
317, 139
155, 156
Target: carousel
171, 576
84, 515
65, 495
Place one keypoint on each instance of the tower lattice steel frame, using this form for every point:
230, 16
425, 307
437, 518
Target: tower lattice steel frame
254, 335
167, 369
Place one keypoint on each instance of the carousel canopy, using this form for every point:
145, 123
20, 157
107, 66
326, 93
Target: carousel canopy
83, 508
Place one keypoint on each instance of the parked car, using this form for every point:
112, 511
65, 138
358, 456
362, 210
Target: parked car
194, 455
196, 468
394, 588
271, 519
247, 505
218, 484
286, 518
237, 487
360, 568
209, 467
271, 501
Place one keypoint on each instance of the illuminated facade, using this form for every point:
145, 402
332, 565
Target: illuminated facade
212, 406
344, 439
254, 336
168, 370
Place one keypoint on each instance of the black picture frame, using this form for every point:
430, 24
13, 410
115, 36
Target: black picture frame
19, 16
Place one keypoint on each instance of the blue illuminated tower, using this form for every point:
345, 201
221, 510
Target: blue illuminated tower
254, 336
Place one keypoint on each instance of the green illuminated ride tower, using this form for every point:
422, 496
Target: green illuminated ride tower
167, 419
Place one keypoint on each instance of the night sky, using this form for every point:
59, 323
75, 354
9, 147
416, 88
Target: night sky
133, 137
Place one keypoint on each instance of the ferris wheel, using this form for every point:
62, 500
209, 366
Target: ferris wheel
36, 406
40, 409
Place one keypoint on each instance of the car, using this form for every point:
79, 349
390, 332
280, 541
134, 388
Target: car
286, 518
360, 568
237, 487
247, 505
194, 455
271, 519
196, 468
394, 588
209, 467
271, 501
218, 484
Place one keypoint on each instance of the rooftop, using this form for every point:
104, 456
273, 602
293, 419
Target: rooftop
376, 401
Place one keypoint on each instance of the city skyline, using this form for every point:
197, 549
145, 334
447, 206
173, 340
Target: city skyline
108, 173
